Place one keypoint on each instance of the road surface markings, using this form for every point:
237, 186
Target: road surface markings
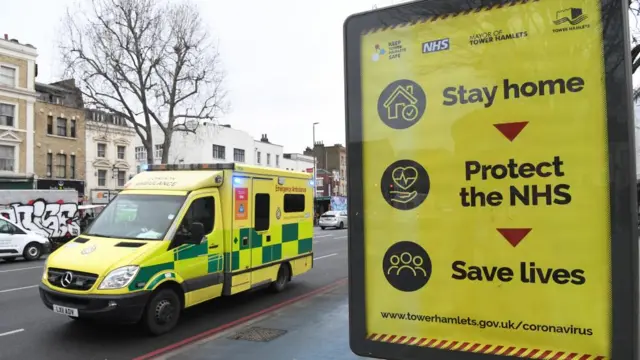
325, 256
11, 332
20, 269
16, 289
321, 236
342, 237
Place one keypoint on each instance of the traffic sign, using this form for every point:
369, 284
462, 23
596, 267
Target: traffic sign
491, 181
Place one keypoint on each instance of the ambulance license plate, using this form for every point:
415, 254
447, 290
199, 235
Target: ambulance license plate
65, 310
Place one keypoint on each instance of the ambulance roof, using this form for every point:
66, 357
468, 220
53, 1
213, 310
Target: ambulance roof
249, 169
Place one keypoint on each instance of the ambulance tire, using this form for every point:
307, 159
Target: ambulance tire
322, 227
281, 281
162, 312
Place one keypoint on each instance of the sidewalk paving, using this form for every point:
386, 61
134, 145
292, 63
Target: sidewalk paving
316, 328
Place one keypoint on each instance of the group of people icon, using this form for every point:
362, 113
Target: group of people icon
406, 261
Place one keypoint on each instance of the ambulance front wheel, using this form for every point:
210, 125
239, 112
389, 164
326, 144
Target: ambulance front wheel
162, 312
282, 279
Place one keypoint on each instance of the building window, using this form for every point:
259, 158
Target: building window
277, 160
7, 158
121, 151
268, 159
102, 178
102, 150
7, 75
258, 158
61, 166
158, 151
293, 203
141, 153
72, 129
218, 152
72, 166
61, 125
7, 113
238, 155
262, 210
50, 125
122, 175
49, 165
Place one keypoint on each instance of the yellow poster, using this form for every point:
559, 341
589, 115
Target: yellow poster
486, 199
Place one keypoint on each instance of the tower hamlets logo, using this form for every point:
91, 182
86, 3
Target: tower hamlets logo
573, 17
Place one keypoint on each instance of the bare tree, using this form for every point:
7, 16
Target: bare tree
151, 62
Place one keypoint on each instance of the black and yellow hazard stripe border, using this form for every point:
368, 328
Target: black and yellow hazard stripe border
433, 18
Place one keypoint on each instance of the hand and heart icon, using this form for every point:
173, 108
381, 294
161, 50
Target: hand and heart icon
404, 177
405, 184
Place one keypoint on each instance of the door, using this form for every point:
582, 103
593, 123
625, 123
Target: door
11, 239
192, 261
261, 236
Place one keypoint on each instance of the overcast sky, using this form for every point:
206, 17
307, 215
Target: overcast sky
284, 69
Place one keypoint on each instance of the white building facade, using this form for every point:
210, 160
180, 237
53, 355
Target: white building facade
298, 162
110, 155
214, 143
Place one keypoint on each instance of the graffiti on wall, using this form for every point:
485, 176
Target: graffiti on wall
52, 220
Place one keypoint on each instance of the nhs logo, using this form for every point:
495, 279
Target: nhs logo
435, 45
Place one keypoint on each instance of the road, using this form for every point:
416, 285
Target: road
30, 331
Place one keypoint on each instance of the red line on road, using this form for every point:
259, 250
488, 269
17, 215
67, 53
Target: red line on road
240, 321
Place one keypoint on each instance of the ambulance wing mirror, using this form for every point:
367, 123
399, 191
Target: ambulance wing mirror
196, 231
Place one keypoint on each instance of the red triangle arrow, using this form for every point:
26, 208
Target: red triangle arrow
514, 236
511, 130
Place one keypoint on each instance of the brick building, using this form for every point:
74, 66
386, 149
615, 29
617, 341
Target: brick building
60, 137
333, 160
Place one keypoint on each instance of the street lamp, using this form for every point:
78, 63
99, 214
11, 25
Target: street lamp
315, 189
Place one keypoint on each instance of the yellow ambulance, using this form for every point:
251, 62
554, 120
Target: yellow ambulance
179, 235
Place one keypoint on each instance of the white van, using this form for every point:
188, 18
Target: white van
15, 241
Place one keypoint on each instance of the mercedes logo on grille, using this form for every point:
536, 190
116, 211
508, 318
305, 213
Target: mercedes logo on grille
67, 278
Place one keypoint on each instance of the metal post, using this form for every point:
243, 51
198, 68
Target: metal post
315, 177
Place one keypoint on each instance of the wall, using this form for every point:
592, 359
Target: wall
274, 151
53, 144
17, 135
112, 136
52, 214
23, 95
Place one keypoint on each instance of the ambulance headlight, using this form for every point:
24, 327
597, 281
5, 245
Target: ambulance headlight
44, 268
119, 278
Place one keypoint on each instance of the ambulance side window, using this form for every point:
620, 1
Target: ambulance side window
203, 211
261, 221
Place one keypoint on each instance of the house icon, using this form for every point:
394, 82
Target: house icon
401, 103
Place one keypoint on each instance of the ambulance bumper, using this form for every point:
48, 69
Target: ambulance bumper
112, 308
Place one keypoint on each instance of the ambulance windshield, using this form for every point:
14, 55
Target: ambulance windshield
137, 216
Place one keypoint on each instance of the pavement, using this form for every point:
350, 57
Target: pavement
311, 329
28, 330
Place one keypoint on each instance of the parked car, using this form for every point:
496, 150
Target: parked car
334, 219
15, 241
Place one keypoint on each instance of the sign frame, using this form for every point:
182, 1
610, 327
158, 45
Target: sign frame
621, 161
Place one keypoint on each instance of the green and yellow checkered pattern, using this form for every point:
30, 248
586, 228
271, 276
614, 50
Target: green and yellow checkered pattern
286, 241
